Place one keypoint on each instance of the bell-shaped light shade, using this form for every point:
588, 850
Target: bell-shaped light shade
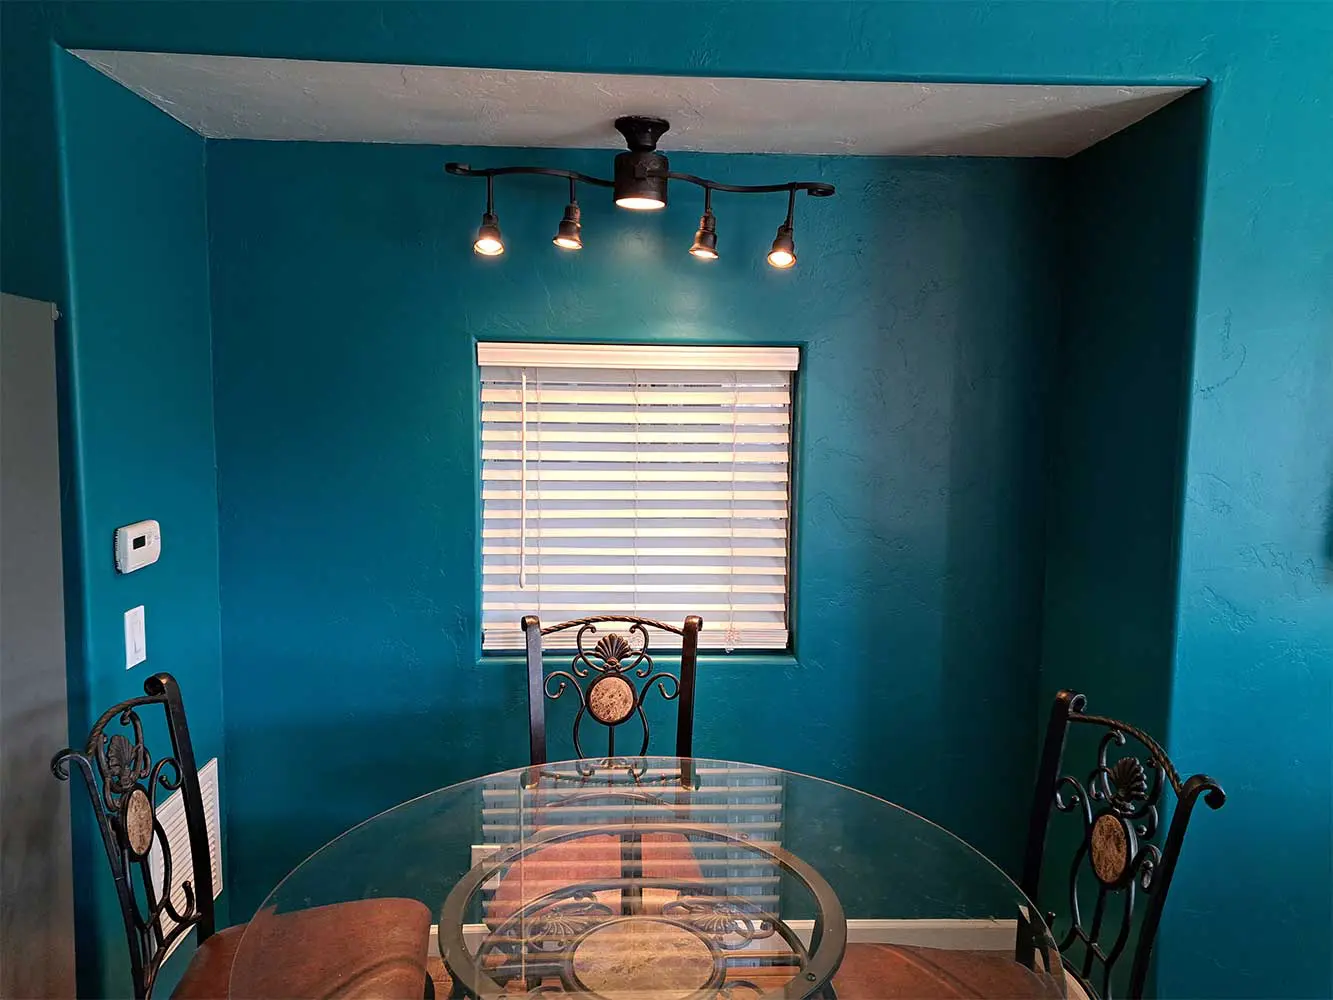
489, 242
705, 239
783, 254
569, 236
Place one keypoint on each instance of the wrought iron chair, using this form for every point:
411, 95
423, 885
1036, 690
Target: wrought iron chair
366, 948
606, 679
1118, 859
610, 674
1120, 807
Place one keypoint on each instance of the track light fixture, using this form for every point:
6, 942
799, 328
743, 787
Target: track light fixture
705, 239
783, 254
639, 182
569, 234
489, 242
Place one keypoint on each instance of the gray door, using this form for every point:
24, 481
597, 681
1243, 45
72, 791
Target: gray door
36, 895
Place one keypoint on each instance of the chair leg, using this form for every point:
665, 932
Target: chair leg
429, 993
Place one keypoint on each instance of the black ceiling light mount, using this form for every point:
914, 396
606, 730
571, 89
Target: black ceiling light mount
639, 182
641, 174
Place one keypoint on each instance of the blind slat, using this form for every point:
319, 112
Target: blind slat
599, 531
539, 493
656, 513
495, 392
641, 475
631, 456
544, 418
597, 435
583, 569
640, 551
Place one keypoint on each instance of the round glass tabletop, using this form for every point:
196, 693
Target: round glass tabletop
656, 878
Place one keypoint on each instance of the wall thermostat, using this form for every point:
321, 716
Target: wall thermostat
137, 545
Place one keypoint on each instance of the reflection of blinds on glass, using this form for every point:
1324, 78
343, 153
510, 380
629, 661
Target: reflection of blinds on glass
645, 480
745, 802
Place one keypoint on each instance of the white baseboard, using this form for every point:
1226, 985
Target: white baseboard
956, 935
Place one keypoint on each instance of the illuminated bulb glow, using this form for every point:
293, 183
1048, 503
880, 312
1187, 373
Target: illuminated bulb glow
488, 247
565, 243
641, 204
703, 254
781, 258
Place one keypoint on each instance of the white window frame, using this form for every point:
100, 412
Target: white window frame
578, 429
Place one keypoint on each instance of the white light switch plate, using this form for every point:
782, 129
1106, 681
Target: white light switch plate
136, 637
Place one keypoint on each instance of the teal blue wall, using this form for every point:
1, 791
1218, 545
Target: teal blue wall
1118, 415
1251, 698
1117, 426
30, 242
139, 390
347, 302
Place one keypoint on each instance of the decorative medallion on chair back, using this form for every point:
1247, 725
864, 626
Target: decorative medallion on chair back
123, 781
611, 674
1122, 865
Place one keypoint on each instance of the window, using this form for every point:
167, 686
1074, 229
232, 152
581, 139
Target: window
648, 480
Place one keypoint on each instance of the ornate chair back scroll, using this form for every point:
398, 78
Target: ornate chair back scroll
123, 781
1121, 864
611, 675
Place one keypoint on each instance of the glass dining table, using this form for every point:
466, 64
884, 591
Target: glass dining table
665, 878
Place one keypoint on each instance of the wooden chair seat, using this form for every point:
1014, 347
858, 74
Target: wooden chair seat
664, 855
367, 948
880, 971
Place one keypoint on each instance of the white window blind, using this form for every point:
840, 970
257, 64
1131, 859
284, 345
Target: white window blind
645, 480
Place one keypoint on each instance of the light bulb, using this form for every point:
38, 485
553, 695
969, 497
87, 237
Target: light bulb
568, 235
705, 238
639, 204
489, 242
783, 254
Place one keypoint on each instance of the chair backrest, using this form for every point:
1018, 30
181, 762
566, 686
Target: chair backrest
611, 673
123, 780
1121, 863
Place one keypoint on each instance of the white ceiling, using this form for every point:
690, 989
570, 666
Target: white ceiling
234, 97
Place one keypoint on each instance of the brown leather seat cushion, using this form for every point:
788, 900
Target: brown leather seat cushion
208, 975
664, 855
367, 948
880, 971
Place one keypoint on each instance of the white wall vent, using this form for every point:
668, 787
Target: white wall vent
171, 814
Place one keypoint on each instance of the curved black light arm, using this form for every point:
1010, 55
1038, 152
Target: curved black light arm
463, 170
815, 189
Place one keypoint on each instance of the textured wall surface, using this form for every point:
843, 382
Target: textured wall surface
30, 241
1254, 654
1118, 416
1117, 426
140, 394
347, 303
36, 881
1253, 688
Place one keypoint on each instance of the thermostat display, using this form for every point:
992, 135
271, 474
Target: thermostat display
137, 545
